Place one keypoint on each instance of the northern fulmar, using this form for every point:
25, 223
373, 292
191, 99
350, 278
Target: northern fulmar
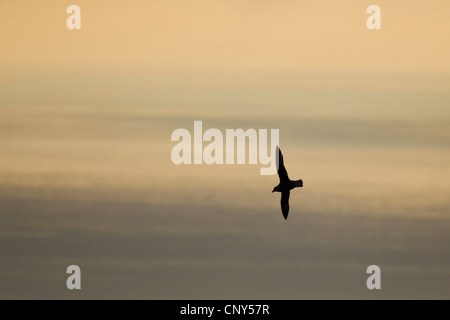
286, 185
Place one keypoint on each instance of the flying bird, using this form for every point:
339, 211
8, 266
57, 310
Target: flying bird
286, 185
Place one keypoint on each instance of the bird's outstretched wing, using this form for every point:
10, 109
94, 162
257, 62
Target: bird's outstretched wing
285, 203
282, 173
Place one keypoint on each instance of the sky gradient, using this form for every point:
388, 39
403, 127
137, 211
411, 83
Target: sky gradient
86, 176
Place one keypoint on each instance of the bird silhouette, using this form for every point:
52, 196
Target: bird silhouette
286, 185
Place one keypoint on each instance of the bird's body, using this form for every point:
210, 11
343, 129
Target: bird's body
285, 186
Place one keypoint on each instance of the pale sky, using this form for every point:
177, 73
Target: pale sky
86, 177
290, 35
